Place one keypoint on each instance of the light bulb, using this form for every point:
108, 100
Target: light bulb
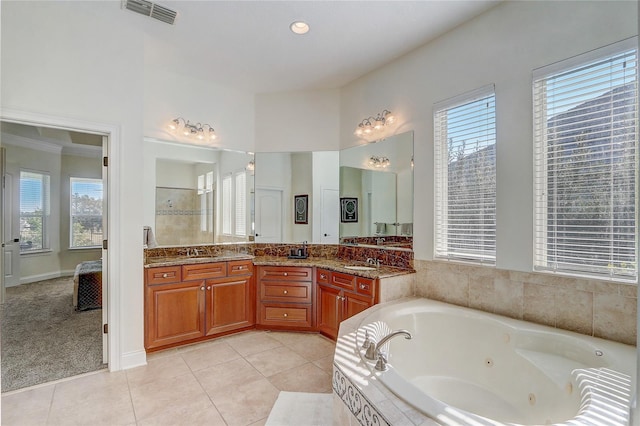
390, 118
358, 131
212, 135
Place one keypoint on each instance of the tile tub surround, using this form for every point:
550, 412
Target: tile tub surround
593, 307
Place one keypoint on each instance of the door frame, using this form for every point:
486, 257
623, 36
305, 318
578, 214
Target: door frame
112, 134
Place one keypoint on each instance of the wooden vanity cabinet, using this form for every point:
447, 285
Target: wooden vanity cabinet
340, 296
190, 302
285, 297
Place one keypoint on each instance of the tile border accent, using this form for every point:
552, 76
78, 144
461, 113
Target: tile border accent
361, 408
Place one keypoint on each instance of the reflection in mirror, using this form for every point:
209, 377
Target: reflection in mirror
284, 177
379, 177
202, 195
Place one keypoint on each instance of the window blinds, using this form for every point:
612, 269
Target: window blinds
465, 177
34, 211
226, 205
241, 204
585, 170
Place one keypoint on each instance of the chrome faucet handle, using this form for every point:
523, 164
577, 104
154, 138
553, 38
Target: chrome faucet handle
370, 354
367, 340
381, 364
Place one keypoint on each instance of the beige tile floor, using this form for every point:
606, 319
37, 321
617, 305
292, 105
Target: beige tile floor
233, 380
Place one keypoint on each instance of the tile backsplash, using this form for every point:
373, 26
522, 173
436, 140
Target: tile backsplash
597, 308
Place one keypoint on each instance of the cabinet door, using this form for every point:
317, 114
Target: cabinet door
329, 307
354, 304
175, 313
229, 304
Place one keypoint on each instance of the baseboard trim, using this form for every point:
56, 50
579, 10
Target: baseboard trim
49, 276
132, 360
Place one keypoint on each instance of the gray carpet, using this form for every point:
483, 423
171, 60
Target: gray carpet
44, 338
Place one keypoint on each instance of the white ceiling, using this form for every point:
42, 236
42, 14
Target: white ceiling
248, 45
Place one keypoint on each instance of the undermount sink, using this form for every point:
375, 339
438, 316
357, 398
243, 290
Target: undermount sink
359, 268
179, 259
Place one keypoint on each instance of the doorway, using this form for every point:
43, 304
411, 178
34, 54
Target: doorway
268, 215
55, 219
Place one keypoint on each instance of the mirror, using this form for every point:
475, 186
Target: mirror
202, 195
376, 192
297, 197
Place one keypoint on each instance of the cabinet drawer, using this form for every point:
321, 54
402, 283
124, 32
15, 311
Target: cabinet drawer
284, 273
204, 270
323, 276
168, 274
289, 316
343, 280
282, 291
240, 267
365, 286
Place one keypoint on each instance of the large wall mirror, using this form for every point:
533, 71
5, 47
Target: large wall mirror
202, 195
376, 192
297, 197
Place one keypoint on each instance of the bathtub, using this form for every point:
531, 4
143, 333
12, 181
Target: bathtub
467, 367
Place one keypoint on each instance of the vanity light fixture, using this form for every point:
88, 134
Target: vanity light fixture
372, 125
186, 128
379, 162
299, 27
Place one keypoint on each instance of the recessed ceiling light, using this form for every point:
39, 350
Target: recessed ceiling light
299, 27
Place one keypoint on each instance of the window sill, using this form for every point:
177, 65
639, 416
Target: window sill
36, 252
85, 248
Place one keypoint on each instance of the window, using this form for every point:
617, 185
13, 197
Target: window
34, 211
234, 204
465, 177
585, 137
227, 203
86, 212
241, 204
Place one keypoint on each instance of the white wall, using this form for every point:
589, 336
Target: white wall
72, 60
298, 121
502, 46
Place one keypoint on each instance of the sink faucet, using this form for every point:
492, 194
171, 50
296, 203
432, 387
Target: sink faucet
374, 349
372, 261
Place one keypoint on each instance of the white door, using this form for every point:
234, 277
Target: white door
11, 225
329, 219
268, 215
105, 253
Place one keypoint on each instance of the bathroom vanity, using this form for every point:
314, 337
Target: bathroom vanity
185, 303
190, 299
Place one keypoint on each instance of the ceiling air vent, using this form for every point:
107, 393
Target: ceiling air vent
151, 9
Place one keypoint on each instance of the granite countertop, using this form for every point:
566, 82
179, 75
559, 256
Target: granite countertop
338, 265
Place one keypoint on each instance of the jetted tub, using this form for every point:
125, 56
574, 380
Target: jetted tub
467, 367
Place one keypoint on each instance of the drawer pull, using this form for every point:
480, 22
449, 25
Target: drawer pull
323, 276
165, 275
285, 315
363, 286
285, 292
285, 274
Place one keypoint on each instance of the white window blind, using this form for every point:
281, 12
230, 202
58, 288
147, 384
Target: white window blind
86, 212
586, 167
465, 177
241, 204
34, 211
227, 204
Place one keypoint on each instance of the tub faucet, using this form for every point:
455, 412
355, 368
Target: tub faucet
373, 351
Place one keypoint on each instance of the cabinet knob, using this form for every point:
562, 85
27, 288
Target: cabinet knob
323, 276
285, 315
285, 292
202, 288
362, 286
165, 275
208, 287
285, 274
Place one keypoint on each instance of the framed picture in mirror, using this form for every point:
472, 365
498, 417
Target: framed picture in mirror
348, 209
301, 203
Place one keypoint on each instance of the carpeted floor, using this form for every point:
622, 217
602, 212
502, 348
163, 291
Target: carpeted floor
44, 338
